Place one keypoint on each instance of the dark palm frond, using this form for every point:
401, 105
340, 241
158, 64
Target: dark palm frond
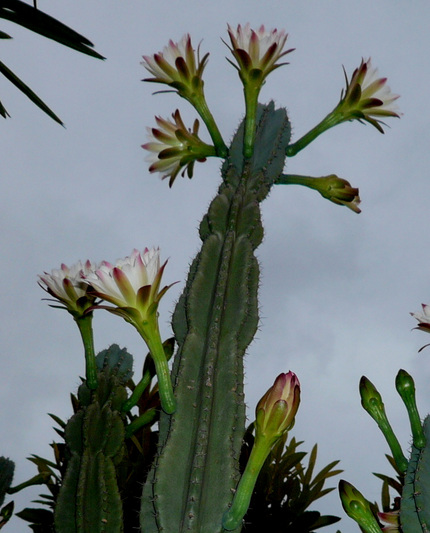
39, 22
13, 78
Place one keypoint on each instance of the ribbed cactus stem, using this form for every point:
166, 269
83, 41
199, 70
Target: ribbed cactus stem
414, 506
89, 500
214, 322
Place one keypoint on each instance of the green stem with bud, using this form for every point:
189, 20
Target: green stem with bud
406, 388
357, 507
371, 401
86, 330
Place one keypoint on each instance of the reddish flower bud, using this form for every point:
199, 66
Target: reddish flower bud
277, 409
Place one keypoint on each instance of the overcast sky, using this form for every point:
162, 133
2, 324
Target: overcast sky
337, 287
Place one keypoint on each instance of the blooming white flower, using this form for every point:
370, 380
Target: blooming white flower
178, 66
67, 285
256, 51
132, 284
174, 148
367, 97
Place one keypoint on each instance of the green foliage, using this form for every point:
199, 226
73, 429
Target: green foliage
286, 489
34, 20
89, 498
409, 512
115, 367
7, 468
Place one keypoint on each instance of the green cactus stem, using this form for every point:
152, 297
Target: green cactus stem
89, 500
214, 322
414, 506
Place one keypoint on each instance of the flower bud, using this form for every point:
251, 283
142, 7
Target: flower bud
275, 414
372, 402
357, 507
406, 388
277, 409
339, 191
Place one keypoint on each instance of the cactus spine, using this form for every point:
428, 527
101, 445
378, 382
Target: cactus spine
196, 470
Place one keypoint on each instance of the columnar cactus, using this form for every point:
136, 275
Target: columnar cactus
89, 500
195, 483
214, 322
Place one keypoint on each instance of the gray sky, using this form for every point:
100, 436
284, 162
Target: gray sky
337, 287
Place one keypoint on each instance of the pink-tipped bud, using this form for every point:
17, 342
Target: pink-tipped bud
277, 409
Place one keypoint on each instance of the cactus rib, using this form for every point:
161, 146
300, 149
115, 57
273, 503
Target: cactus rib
414, 508
214, 322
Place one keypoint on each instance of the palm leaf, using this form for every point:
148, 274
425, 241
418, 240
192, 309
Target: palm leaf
27, 91
31, 18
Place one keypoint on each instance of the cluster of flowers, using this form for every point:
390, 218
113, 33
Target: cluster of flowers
174, 148
132, 285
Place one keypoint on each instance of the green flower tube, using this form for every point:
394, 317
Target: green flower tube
179, 67
275, 414
333, 188
66, 285
256, 53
